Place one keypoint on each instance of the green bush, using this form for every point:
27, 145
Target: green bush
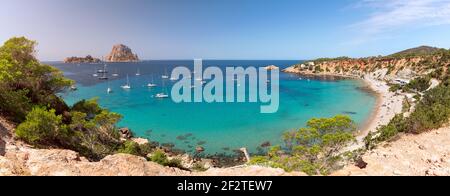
313, 150
41, 126
159, 157
130, 147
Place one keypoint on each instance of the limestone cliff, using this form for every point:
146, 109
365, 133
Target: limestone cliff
121, 53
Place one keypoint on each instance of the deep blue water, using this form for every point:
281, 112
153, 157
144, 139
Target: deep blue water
219, 127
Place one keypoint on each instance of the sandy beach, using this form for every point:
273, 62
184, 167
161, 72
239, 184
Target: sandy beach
388, 105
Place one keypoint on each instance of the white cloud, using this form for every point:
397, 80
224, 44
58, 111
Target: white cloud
389, 15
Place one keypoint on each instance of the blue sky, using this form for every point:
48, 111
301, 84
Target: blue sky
227, 29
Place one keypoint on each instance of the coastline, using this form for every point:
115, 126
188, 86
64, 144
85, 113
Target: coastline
388, 104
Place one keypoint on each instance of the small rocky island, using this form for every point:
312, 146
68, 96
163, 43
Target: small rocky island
121, 53
87, 59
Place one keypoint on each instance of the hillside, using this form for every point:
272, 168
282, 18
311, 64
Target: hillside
433, 60
418, 51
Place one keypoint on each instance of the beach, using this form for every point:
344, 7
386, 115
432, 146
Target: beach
388, 105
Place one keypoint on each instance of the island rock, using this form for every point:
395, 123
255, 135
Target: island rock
87, 59
122, 53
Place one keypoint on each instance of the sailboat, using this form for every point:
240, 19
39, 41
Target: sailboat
104, 77
115, 74
138, 73
162, 95
152, 84
109, 90
165, 76
95, 74
127, 86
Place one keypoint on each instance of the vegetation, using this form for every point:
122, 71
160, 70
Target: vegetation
432, 112
161, 158
313, 150
30, 98
25, 82
414, 52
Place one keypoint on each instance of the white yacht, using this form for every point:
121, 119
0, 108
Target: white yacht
165, 76
152, 84
127, 86
162, 95
115, 74
138, 73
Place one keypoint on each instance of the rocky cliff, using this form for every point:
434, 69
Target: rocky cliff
397, 66
121, 53
87, 59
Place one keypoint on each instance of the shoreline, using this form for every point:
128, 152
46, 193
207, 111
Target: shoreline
388, 104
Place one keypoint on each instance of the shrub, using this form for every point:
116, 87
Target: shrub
41, 126
159, 157
199, 167
130, 147
313, 150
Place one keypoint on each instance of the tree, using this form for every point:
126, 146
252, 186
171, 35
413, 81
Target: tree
41, 127
315, 149
24, 81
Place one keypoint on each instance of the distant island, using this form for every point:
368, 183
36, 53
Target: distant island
87, 59
121, 53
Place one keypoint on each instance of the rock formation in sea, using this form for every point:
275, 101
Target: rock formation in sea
87, 59
122, 53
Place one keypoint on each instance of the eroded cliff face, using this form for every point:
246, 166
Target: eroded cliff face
121, 53
406, 68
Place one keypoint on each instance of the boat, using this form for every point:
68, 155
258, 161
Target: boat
95, 74
162, 95
103, 70
152, 84
165, 76
115, 74
104, 76
73, 87
109, 90
138, 72
127, 86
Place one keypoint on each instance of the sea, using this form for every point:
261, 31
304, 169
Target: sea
220, 128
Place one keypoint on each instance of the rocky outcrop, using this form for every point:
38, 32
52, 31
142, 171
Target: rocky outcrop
87, 59
122, 53
394, 67
427, 154
20, 159
271, 67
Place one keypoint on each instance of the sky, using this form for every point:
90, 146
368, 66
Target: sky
227, 29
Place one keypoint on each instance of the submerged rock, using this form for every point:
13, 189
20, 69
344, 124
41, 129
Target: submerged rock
200, 149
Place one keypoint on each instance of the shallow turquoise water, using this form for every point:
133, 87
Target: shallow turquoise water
222, 126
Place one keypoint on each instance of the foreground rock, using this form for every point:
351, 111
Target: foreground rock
122, 53
427, 154
18, 159
87, 59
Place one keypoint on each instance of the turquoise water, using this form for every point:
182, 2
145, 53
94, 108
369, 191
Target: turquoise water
219, 127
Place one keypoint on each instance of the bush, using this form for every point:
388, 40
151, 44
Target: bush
313, 150
130, 147
41, 126
420, 84
159, 157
